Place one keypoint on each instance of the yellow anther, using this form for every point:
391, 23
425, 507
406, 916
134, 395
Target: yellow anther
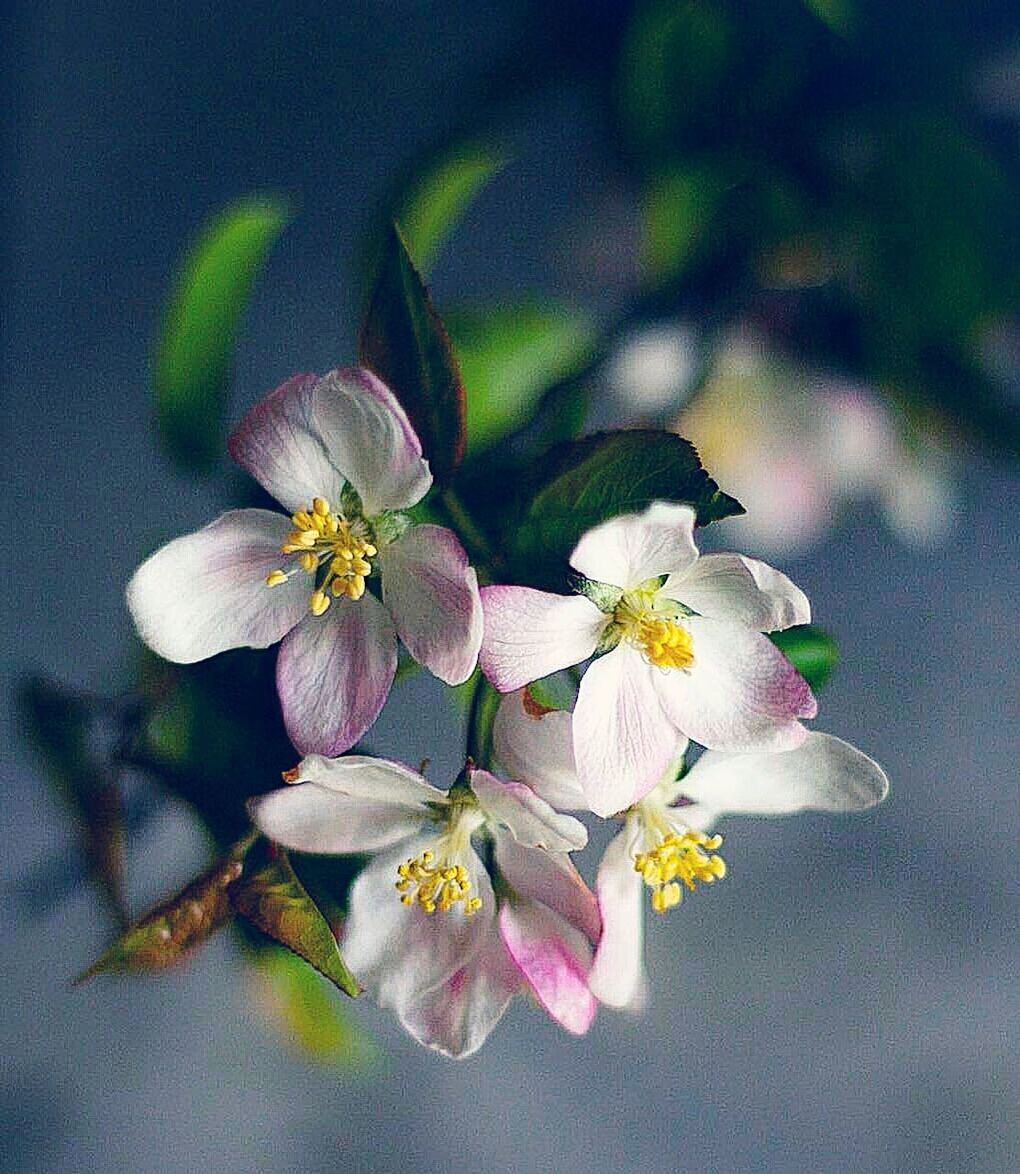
319, 602
664, 642
302, 520
680, 858
321, 506
440, 886
275, 578
308, 562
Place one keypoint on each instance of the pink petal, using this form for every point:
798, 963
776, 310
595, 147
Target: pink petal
529, 819
398, 952
538, 749
369, 438
742, 590
334, 673
740, 694
623, 741
617, 974
456, 1017
278, 443
554, 959
530, 634
432, 594
370, 779
549, 877
632, 548
206, 592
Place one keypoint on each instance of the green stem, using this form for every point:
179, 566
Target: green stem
484, 704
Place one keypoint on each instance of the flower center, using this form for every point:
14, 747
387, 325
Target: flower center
679, 858
322, 537
652, 625
440, 880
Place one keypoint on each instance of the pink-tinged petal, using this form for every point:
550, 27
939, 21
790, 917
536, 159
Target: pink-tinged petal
334, 673
623, 741
278, 443
369, 438
549, 877
370, 779
206, 592
823, 774
740, 694
456, 1017
617, 975
529, 819
537, 748
633, 548
432, 594
311, 818
742, 590
399, 952
554, 959
530, 634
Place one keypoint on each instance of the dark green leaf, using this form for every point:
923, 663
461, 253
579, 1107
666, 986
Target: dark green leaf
196, 349
838, 15
404, 341
165, 935
557, 691
811, 651
307, 1013
679, 206
440, 195
588, 481
274, 900
510, 355
62, 725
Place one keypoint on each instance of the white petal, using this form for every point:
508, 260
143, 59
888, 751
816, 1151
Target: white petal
623, 741
206, 592
369, 438
632, 548
617, 974
554, 959
530, 634
529, 819
278, 443
312, 818
538, 749
370, 779
740, 694
549, 877
398, 952
334, 673
456, 1017
432, 594
823, 774
742, 590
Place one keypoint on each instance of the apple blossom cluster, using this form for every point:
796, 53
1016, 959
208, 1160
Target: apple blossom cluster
470, 895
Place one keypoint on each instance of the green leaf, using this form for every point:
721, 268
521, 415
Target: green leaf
196, 349
60, 724
588, 481
274, 900
679, 206
811, 651
306, 1012
404, 341
838, 15
165, 935
439, 196
510, 355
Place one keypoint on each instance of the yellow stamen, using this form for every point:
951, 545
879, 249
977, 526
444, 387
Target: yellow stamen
435, 885
653, 625
680, 857
322, 537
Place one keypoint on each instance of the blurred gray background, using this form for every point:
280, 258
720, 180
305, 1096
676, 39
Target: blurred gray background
846, 1000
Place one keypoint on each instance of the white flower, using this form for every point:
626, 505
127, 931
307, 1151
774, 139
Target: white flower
340, 455
687, 652
664, 845
428, 933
